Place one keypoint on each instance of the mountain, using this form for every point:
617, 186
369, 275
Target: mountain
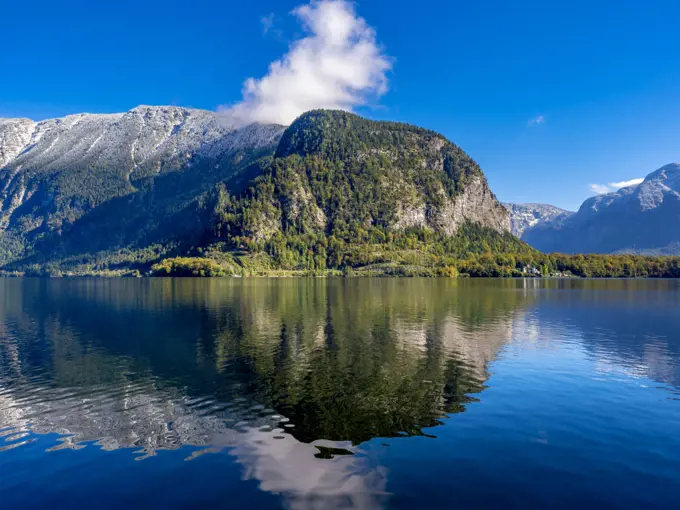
639, 219
343, 191
524, 217
375, 174
88, 184
88, 193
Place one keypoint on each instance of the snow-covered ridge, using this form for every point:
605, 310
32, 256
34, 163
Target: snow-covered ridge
527, 216
15, 135
637, 219
111, 152
142, 136
658, 186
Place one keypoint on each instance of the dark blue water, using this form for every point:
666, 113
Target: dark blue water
315, 394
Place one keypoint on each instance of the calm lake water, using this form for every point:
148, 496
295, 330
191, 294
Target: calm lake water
353, 394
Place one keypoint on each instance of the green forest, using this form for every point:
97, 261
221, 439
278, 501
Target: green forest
320, 209
339, 195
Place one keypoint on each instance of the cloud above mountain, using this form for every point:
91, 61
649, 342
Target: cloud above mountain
601, 189
338, 64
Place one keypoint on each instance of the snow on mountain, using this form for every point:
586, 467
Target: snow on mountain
659, 186
15, 135
636, 219
139, 170
110, 151
145, 137
527, 216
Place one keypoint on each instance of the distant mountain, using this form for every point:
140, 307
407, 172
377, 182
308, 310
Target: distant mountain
643, 219
97, 192
524, 217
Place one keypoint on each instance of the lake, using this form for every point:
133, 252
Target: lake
339, 393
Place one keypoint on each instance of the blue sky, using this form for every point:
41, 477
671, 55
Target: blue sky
602, 77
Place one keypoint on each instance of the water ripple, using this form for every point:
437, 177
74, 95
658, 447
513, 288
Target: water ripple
294, 379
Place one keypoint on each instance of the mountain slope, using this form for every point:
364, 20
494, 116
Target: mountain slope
432, 182
524, 217
98, 192
346, 191
639, 219
89, 183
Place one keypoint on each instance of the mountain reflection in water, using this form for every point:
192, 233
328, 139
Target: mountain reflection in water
290, 377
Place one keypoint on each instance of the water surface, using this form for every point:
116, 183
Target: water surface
330, 393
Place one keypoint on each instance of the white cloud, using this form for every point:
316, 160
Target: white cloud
267, 22
601, 189
625, 184
539, 119
338, 64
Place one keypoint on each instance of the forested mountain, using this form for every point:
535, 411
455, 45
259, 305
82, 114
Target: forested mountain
641, 219
165, 190
345, 191
97, 192
114, 189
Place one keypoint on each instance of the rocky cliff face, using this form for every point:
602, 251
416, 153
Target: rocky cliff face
385, 175
476, 204
638, 219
